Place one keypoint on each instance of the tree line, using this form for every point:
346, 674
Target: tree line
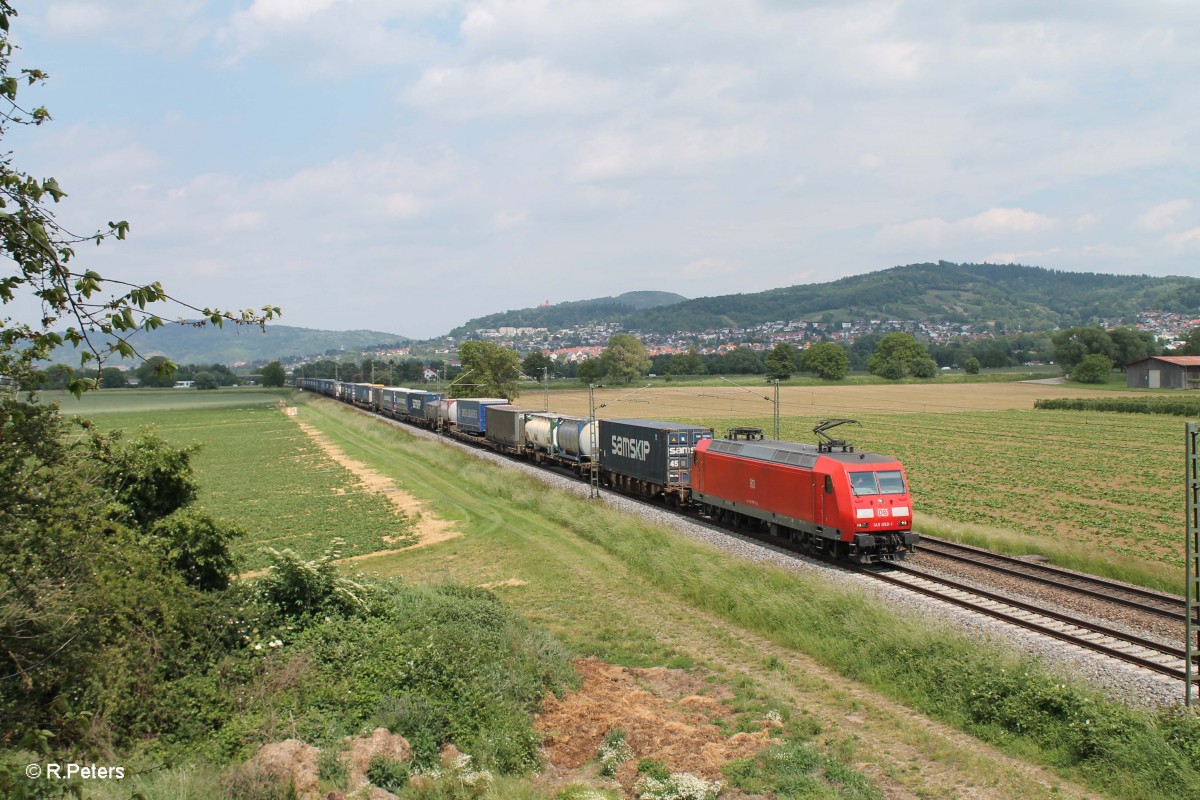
154, 374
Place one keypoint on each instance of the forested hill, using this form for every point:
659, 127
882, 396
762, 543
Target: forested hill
1018, 297
571, 314
185, 344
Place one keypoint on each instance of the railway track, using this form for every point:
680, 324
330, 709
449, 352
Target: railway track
1151, 655
1141, 600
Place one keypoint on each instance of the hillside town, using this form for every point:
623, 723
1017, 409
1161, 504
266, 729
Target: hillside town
569, 345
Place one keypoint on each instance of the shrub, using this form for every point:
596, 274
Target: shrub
205, 380
971, 366
1094, 368
299, 588
196, 546
923, 368
387, 773
147, 476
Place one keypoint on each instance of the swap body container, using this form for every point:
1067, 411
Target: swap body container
506, 426
472, 413
657, 452
392, 400
417, 400
364, 393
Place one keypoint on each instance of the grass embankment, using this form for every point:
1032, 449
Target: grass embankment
613, 585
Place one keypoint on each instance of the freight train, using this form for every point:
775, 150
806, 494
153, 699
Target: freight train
827, 498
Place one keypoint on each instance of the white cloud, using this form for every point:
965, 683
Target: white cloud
707, 268
145, 25
990, 224
507, 219
512, 88
1163, 216
870, 161
275, 12
1006, 220
332, 38
670, 146
1186, 241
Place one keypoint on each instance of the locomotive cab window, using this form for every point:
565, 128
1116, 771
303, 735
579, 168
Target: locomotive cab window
863, 483
891, 482
872, 483
828, 484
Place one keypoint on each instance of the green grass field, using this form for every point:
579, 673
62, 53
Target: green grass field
256, 467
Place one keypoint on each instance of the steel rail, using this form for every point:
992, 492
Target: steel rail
1074, 638
1063, 579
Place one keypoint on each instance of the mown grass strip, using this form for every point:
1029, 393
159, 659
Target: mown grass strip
1002, 698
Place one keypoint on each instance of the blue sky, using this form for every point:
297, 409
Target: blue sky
404, 165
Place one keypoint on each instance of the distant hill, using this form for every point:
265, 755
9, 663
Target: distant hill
184, 344
1011, 295
572, 314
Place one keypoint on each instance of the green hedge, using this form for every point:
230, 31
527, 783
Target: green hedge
1178, 406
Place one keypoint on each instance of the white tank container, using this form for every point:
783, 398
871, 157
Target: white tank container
539, 430
574, 436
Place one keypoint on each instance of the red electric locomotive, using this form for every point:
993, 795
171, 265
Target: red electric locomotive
854, 506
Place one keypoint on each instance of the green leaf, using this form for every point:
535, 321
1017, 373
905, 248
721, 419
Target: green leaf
51, 186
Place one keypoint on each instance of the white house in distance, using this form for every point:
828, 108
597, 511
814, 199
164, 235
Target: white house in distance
1164, 372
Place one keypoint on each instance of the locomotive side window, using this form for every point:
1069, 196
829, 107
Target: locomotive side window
828, 484
891, 482
863, 483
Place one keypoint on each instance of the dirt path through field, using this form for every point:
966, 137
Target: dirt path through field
428, 528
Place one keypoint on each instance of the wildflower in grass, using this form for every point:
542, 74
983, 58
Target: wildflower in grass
680, 786
614, 752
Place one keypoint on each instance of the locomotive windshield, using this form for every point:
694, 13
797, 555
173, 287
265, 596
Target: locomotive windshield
868, 483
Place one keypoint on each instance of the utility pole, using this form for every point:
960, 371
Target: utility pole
545, 388
1192, 561
594, 491
776, 382
775, 414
